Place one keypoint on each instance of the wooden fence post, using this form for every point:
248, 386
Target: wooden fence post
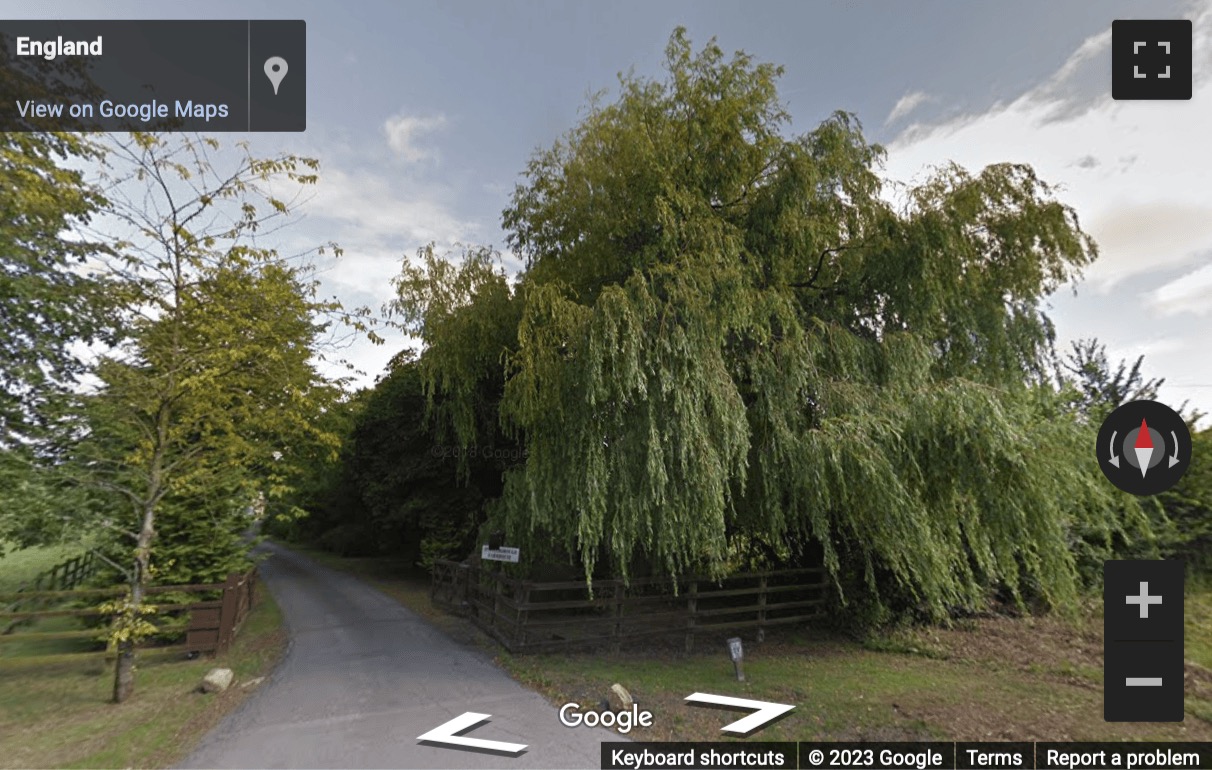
618, 617
496, 596
516, 619
523, 614
227, 611
692, 607
761, 634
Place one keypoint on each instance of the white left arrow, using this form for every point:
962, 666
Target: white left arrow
765, 712
448, 733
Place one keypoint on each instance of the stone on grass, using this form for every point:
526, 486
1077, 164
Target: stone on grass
620, 699
217, 680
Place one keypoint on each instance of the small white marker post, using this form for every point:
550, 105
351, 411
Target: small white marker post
737, 653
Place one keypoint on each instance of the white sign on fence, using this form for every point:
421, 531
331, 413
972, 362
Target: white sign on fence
504, 553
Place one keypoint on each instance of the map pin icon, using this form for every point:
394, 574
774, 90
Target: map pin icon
275, 70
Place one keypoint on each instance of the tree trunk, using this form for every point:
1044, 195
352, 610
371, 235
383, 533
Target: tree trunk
124, 672
124, 668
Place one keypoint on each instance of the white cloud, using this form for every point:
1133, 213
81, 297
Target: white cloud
1152, 349
905, 105
369, 210
366, 272
403, 131
1191, 294
1137, 238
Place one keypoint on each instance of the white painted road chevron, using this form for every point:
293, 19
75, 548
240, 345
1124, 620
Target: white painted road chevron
363, 677
764, 711
449, 733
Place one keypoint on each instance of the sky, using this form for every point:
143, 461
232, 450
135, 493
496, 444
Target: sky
424, 114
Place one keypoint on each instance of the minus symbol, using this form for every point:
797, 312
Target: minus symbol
1144, 681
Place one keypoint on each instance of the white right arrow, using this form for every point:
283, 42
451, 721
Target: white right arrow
765, 711
1174, 457
448, 733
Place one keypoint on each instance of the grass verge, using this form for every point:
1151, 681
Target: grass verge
60, 716
992, 679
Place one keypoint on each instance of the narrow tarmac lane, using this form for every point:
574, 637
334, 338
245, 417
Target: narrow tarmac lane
363, 677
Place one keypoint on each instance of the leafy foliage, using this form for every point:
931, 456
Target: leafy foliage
129, 624
1101, 390
1188, 507
207, 402
399, 489
42, 505
50, 304
49, 298
724, 334
469, 307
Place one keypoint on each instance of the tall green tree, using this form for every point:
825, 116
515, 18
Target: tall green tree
1188, 508
51, 305
211, 397
1099, 387
724, 331
405, 490
49, 299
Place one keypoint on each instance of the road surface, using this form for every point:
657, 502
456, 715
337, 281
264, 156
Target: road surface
363, 677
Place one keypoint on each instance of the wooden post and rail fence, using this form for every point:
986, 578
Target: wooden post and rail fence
209, 625
526, 615
64, 576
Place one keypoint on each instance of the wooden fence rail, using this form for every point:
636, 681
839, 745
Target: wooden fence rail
209, 625
528, 615
64, 576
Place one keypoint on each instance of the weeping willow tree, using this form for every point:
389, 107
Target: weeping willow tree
722, 334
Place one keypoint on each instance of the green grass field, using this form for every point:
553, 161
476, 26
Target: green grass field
992, 679
60, 716
20, 566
